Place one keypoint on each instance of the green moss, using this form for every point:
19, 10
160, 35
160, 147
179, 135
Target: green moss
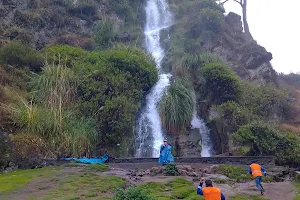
16, 179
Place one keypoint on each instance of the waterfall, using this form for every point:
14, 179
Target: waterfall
198, 123
149, 134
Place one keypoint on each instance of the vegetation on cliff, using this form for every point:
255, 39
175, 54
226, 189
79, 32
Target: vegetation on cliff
81, 100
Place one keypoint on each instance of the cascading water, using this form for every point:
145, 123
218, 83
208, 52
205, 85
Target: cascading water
149, 135
198, 123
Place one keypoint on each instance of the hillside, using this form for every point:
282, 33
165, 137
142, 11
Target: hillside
74, 78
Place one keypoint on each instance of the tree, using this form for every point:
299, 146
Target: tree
243, 4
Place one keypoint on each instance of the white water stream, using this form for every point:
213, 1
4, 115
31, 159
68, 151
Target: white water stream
149, 134
206, 143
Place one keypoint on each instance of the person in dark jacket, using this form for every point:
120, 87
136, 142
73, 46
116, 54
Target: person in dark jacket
209, 192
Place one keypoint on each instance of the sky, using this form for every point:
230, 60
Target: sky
273, 24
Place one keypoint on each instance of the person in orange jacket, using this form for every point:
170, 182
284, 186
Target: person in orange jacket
209, 192
257, 172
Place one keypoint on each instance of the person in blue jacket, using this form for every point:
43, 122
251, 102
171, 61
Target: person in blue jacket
165, 153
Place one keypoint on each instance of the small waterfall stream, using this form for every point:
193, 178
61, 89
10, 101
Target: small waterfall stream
149, 135
206, 143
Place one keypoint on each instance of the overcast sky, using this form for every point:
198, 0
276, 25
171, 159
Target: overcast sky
275, 25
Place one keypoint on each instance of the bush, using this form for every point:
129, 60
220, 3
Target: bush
113, 84
235, 115
265, 140
221, 84
132, 193
266, 100
20, 56
211, 20
177, 106
171, 170
65, 55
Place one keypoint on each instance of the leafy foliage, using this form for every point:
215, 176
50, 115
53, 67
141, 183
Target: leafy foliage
114, 83
177, 106
20, 56
211, 20
221, 84
266, 140
266, 100
65, 55
171, 170
234, 114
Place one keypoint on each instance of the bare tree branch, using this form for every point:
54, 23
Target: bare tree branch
239, 2
222, 3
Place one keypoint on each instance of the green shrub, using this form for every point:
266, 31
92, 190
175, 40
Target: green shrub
196, 61
211, 4
65, 55
177, 106
132, 193
265, 140
221, 84
171, 170
111, 89
211, 20
234, 114
266, 100
20, 56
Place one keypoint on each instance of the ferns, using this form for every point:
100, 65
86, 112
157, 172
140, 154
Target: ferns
177, 106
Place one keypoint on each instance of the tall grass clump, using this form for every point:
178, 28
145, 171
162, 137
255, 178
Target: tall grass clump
52, 113
55, 85
177, 106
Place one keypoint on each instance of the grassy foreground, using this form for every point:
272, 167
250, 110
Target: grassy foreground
88, 182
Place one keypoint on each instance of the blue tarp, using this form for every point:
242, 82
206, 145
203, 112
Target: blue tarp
165, 154
89, 160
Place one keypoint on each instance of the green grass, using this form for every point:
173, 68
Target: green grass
85, 186
297, 185
178, 188
96, 168
237, 173
14, 180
